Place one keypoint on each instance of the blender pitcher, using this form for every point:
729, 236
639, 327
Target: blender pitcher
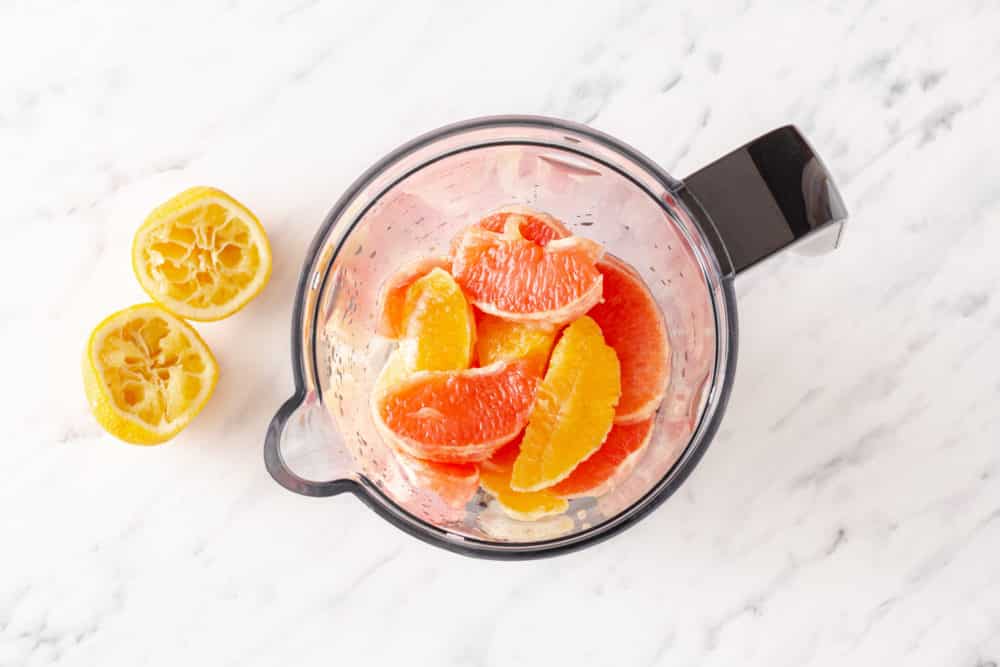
688, 239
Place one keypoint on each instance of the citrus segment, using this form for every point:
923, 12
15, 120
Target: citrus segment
533, 225
614, 461
438, 325
202, 255
392, 295
574, 408
506, 455
500, 340
633, 325
495, 477
506, 275
147, 373
454, 483
393, 372
457, 416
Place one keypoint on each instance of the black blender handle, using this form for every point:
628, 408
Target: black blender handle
765, 196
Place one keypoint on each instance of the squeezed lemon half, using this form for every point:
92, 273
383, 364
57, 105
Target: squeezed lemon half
202, 255
147, 373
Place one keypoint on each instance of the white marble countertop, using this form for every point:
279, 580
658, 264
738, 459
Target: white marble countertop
848, 512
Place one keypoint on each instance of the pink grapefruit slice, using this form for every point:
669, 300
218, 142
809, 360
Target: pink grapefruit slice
509, 276
633, 325
533, 225
457, 416
454, 483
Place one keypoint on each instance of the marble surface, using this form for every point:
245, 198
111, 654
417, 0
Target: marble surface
848, 512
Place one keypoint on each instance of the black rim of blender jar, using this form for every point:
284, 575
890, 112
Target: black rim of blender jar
382, 504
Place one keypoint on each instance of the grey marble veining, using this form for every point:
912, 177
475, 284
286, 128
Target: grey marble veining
849, 510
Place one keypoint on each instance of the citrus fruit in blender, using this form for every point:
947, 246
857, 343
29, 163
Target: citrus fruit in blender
533, 225
457, 416
392, 295
494, 475
506, 275
499, 340
454, 483
393, 372
147, 373
202, 255
439, 327
633, 325
574, 408
614, 461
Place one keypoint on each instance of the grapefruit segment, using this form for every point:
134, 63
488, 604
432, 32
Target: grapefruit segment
457, 416
613, 462
500, 340
633, 325
454, 483
392, 294
438, 325
574, 408
533, 225
506, 275
495, 478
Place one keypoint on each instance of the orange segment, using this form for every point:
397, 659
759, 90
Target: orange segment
457, 416
438, 324
495, 478
392, 294
574, 409
613, 462
633, 325
511, 277
500, 340
533, 225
